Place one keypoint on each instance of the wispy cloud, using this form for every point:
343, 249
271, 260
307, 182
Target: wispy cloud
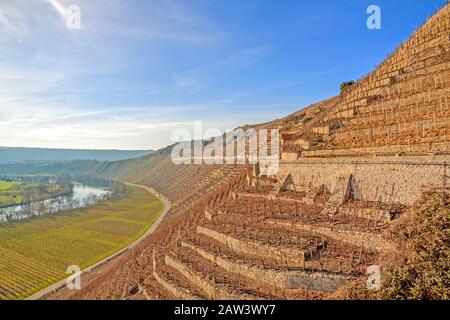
167, 20
126, 127
58, 88
186, 82
246, 56
59, 7
238, 58
12, 22
174, 11
154, 33
190, 79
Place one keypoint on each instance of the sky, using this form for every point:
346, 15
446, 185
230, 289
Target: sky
137, 70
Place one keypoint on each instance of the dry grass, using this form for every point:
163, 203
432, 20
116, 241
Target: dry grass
420, 268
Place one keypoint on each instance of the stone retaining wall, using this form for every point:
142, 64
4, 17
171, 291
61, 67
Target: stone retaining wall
410, 149
292, 256
360, 239
286, 280
212, 291
386, 181
173, 289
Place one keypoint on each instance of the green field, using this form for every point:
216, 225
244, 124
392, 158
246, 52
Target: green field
36, 253
9, 194
15, 192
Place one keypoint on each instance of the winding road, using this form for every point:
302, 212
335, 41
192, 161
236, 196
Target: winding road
61, 284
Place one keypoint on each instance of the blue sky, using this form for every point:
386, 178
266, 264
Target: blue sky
136, 70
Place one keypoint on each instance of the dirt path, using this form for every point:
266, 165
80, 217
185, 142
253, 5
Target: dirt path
61, 284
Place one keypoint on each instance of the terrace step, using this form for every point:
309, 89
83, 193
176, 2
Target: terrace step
280, 197
239, 211
216, 283
175, 283
288, 280
153, 290
372, 214
338, 257
338, 217
362, 239
286, 206
286, 250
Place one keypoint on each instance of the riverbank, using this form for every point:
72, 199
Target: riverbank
14, 193
80, 196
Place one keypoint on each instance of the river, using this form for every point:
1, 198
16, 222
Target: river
83, 195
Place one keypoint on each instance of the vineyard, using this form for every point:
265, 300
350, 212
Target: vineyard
36, 253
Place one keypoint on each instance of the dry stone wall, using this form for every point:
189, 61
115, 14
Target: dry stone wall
381, 180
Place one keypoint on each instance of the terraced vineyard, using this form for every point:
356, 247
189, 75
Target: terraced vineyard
401, 106
36, 253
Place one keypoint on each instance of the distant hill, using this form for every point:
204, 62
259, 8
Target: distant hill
11, 155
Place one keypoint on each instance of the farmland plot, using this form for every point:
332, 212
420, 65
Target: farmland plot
36, 253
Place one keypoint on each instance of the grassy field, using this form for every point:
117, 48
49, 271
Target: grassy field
14, 192
36, 253
9, 194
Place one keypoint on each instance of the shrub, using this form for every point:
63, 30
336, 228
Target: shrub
426, 271
306, 120
420, 268
345, 85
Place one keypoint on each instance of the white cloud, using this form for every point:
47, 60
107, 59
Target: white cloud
172, 10
186, 82
42, 125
